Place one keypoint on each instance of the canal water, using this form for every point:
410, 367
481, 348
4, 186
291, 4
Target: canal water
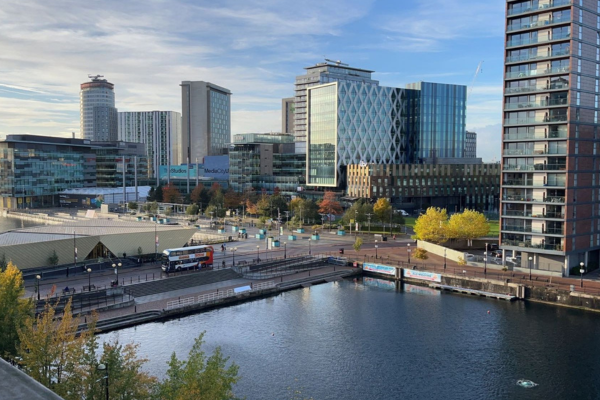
364, 339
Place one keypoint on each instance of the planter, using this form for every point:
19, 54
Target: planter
341, 233
260, 236
242, 230
235, 229
221, 231
291, 237
262, 231
300, 230
315, 237
275, 243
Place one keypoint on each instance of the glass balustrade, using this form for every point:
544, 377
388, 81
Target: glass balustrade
547, 6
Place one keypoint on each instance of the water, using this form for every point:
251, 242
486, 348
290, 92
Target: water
365, 340
7, 224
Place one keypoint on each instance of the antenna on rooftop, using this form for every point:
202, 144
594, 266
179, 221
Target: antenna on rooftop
95, 77
338, 62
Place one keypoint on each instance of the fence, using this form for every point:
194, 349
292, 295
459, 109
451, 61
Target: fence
213, 296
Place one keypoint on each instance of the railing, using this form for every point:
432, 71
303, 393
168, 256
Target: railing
547, 6
528, 244
549, 199
536, 57
536, 167
554, 231
516, 213
537, 24
524, 41
218, 295
529, 89
542, 103
518, 182
526, 121
530, 152
562, 134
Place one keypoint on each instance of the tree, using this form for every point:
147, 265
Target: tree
152, 207
151, 194
132, 205
420, 254
171, 194
3, 263
357, 244
382, 210
14, 310
199, 377
53, 259
263, 206
192, 209
468, 225
196, 195
158, 194
232, 199
251, 208
329, 205
432, 226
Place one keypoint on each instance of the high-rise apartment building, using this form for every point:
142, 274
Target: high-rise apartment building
160, 131
98, 115
470, 145
205, 120
287, 115
327, 72
550, 211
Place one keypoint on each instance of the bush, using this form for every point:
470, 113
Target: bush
420, 254
461, 261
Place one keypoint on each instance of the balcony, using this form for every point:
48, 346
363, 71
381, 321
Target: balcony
560, 134
535, 104
549, 199
525, 41
530, 89
528, 244
518, 182
537, 72
516, 213
553, 231
534, 121
534, 152
536, 57
537, 24
554, 4
524, 229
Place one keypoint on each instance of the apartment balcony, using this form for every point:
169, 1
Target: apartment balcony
536, 57
529, 41
528, 244
536, 167
535, 121
533, 89
529, 229
529, 214
537, 72
534, 152
560, 134
531, 184
548, 199
537, 24
551, 5
516, 213
535, 104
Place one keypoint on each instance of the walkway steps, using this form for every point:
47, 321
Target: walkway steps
473, 292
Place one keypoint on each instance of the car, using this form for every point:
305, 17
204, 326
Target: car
497, 253
493, 247
402, 212
470, 256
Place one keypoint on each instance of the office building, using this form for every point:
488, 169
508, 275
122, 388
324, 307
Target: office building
159, 131
442, 113
326, 72
265, 162
98, 115
550, 212
413, 187
471, 145
287, 115
34, 170
205, 121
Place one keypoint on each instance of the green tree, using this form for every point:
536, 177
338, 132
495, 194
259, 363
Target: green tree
14, 310
357, 244
200, 377
132, 205
432, 226
468, 225
192, 209
3, 263
152, 207
382, 210
158, 193
53, 259
263, 206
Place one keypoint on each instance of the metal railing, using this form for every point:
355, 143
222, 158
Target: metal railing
218, 295
546, 6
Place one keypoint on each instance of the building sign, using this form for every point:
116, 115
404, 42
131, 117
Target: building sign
380, 269
422, 275
216, 167
178, 171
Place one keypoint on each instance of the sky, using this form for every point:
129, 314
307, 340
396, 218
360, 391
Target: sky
255, 48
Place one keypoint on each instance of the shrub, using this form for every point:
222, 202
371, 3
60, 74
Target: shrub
420, 254
461, 261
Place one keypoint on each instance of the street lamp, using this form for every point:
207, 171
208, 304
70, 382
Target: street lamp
37, 285
257, 253
233, 254
284, 250
444, 259
530, 261
116, 267
485, 260
376, 249
581, 271
408, 251
309, 252
89, 271
104, 367
356, 222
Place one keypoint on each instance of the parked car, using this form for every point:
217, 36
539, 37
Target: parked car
470, 256
493, 247
402, 212
497, 253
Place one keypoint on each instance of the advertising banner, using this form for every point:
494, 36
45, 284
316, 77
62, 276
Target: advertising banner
216, 167
380, 269
422, 275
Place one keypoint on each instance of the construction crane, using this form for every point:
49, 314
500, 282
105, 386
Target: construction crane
474, 78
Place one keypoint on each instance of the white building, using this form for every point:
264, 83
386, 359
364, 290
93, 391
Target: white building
206, 121
160, 131
98, 115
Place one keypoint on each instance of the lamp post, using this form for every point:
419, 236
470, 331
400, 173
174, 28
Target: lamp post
485, 260
444, 259
257, 253
89, 271
581, 271
233, 254
116, 267
155, 241
408, 251
37, 285
356, 222
376, 249
104, 367
309, 252
284, 250
530, 261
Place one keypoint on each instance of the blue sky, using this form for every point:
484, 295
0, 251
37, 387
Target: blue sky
255, 48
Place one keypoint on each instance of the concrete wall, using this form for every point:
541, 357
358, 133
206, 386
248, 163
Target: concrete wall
439, 250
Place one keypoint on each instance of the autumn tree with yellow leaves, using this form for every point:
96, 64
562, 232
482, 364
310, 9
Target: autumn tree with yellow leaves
432, 226
14, 309
468, 225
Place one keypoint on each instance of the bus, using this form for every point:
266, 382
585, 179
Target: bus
193, 257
